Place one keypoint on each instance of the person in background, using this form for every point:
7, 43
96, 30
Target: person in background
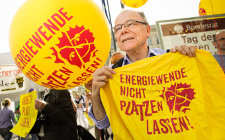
74, 105
219, 43
6, 120
80, 108
88, 100
58, 114
17, 113
116, 56
37, 125
131, 31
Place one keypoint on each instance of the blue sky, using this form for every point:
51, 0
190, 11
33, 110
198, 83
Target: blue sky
155, 10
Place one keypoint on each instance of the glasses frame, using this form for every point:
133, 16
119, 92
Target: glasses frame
221, 39
125, 24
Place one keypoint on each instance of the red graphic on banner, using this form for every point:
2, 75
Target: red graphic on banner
76, 46
202, 12
178, 97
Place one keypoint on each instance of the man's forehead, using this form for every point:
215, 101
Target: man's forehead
127, 15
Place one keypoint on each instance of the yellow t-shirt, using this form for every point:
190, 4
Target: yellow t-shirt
165, 97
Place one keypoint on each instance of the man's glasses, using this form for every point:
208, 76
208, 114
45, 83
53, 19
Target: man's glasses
215, 40
128, 24
221, 39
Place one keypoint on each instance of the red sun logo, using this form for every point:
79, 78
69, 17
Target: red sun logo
76, 46
178, 97
202, 12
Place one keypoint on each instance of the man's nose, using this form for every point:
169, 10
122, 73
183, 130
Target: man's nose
124, 29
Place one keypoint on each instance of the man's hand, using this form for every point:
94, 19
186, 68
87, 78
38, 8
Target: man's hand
39, 104
185, 50
17, 111
100, 78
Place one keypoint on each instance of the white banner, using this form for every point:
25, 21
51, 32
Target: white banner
198, 31
11, 79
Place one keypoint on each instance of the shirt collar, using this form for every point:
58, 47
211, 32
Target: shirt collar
151, 53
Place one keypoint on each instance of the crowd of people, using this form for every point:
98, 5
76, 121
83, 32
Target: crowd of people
61, 113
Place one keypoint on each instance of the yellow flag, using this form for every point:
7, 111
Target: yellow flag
28, 114
211, 7
167, 97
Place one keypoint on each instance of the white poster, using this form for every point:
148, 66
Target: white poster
11, 79
199, 32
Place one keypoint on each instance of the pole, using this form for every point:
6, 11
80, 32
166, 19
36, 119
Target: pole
110, 23
121, 4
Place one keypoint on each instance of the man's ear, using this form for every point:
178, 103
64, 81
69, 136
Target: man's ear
148, 28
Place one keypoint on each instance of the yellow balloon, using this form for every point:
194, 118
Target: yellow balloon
211, 7
134, 3
59, 43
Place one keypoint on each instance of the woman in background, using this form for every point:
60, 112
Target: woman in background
6, 118
58, 115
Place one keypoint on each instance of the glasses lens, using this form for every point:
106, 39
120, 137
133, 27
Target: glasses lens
130, 22
221, 39
117, 28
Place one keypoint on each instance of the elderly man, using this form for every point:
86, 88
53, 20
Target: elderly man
219, 43
132, 31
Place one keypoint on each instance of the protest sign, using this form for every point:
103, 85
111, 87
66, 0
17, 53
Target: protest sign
12, 79
28, 114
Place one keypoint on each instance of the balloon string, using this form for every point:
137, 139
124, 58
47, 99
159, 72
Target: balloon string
217, 35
